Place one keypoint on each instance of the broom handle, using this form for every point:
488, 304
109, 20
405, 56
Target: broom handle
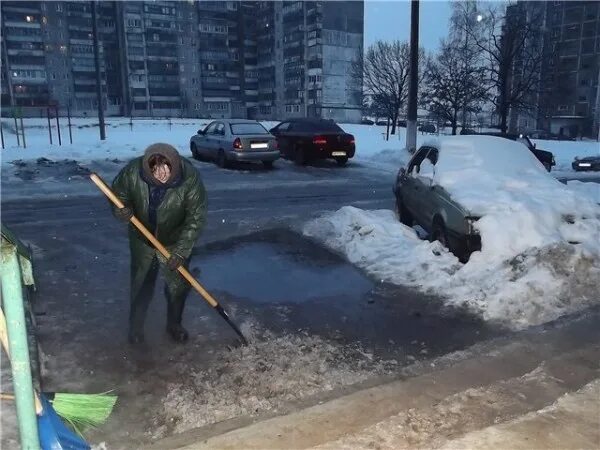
4, 339
161, 248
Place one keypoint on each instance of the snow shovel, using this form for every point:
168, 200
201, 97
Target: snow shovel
161, 248
52, 432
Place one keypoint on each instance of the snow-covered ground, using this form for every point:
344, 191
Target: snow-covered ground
124, 142
540, 253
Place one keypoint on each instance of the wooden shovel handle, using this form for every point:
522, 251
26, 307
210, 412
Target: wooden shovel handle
4, 340
161, 248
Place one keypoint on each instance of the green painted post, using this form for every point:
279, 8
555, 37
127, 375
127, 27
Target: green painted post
12, 299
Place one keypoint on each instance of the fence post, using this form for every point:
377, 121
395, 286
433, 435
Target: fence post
49, 125
23, 131
12, 296
58, 125
17, 128
69, 121
2, 133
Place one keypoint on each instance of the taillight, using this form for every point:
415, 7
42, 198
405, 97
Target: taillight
319, 140
237, 144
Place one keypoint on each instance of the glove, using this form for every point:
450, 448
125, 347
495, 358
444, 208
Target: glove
124, 214
174, 262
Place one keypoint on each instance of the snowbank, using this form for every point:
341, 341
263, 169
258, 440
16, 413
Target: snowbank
530, 288
540, 254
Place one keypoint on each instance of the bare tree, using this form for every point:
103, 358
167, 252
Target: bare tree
510, 41
452, 86
384, 70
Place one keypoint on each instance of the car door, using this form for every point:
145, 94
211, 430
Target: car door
203, 141
416, 188
431, 202
218, 138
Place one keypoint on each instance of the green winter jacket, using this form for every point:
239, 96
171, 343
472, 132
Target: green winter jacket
180, 216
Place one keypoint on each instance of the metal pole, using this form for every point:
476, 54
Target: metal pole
57, 125
12, 297
411, 123
98, 78
49, 125
23, 131
16, 128
69, 122
2, 133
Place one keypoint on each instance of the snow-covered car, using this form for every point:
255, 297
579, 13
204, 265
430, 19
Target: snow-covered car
588, 163
456, 187
225, 141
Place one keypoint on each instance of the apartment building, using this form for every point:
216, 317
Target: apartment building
213, 59
566, 98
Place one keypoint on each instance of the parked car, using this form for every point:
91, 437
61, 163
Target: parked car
427, 128
367, 122
230, 140
304, 140
545, 157
450, 183
382, 123
587, 163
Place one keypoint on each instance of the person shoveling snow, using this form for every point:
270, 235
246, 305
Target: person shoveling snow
540, 240
165, 192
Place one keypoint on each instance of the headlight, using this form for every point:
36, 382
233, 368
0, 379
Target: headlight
470, 224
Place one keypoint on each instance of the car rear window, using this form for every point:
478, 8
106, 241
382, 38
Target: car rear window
317, 126
247, 128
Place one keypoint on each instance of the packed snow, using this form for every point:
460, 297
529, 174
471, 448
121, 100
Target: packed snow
262, 377
540, 254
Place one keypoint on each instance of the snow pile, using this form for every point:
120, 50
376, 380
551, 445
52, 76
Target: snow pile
591, 190
540, 253
263, 376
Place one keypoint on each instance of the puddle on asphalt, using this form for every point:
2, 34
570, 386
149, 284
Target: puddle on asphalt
267, 272
290, 283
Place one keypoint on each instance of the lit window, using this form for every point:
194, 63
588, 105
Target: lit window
28, 18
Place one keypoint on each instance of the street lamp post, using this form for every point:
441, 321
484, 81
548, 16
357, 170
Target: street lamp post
411, 122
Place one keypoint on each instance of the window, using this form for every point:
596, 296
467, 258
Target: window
582, 98
247, 128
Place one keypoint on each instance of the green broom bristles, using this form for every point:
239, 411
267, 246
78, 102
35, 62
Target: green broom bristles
84, 410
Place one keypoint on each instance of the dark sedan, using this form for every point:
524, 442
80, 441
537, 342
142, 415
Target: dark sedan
588, 163
305, 140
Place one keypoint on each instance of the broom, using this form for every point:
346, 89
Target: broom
81, 411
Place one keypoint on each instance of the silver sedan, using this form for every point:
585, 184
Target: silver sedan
230, 140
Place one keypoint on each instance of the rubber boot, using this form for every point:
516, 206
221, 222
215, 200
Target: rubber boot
139, 305
175, 305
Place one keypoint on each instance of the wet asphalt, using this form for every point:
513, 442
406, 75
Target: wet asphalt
250, 257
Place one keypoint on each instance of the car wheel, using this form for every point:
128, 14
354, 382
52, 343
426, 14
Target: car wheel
268, 164
403, 214
300, 157
341, 161
222, 159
